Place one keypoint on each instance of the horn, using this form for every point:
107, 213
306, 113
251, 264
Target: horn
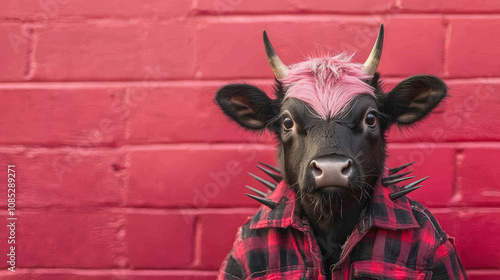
371, 63
279, 68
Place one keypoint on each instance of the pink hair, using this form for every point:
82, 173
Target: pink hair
327, 84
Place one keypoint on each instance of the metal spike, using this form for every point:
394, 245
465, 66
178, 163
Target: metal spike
414, 183
259, 192
276, 178
268, 184
397, 169
266, 202
397, 176
400, 193
273, 168
395, 181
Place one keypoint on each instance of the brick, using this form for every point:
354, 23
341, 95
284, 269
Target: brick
451, 6
368, 7
86, 117
23, 274
483, 274
214, 243
222, 7
478, 176
46, 10
412, 46
18, 275
461, 117
471, 46
471, 111
172, 275
69, 177
66, 238
195, 176
236, 46
185, 113
157, 240
430, 160
447, 219
477, 245
14, 52
81, 275
115, 51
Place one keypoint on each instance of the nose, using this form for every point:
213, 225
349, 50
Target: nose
331, 171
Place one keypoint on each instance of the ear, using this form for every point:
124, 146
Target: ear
413, 99
247, 105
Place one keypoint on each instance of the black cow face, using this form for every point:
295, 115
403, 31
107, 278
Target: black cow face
332, 163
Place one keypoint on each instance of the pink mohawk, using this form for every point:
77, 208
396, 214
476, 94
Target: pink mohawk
327, 84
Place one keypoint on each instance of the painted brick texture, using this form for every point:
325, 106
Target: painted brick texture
128, 171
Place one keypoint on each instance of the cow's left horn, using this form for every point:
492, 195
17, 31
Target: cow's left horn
371, 63
279, 68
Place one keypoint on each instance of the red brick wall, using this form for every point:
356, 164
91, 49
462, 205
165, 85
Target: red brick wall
127, 170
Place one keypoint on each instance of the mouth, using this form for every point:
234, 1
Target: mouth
331, 189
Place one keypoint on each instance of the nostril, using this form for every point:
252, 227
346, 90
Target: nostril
317, 172
346, 171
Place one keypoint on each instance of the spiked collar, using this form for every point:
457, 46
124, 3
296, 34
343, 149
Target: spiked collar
381, 212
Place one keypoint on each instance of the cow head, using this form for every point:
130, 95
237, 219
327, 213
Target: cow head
330, 118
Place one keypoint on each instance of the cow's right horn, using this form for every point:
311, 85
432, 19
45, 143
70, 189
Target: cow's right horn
279, 68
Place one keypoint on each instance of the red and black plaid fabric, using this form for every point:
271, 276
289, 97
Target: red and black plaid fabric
393, 240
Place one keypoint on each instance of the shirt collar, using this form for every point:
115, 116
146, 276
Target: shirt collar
381, 211
389, 214
285, 213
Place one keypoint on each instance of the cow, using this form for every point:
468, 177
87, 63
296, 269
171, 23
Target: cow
338, 212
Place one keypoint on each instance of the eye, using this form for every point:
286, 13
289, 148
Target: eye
287, 123
371, 119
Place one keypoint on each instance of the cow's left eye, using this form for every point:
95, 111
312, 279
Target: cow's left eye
287, 123
371, 119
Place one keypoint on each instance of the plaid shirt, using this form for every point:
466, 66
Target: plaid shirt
393, 240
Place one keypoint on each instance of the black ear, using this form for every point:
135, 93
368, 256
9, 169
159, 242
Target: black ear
413, 99
247, 105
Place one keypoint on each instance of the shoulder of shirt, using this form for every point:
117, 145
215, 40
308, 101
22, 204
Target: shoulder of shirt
427, 221
245, 231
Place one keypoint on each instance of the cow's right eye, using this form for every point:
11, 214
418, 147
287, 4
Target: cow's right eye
370, 119
287, 123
